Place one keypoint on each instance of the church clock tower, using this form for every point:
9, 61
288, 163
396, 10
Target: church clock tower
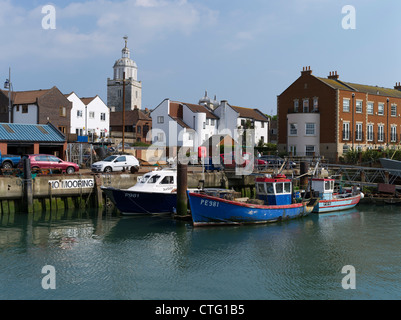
133, 87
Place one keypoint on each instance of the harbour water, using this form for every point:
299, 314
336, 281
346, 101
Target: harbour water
107, 256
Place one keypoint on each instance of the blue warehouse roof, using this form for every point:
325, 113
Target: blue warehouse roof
30, 132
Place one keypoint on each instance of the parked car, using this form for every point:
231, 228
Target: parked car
116, 163
48, 161
8, 161
273, 160
228, 160
261, 163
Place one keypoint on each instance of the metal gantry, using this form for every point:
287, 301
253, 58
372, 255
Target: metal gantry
365, 174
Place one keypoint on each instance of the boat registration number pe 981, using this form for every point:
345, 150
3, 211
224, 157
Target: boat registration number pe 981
209, 203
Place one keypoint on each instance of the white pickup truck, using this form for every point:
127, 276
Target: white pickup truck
116, 163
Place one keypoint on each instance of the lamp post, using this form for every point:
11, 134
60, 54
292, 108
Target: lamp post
123, 148
8, 85
387, 123
353, 132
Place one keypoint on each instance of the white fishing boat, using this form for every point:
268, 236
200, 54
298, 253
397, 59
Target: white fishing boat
154, 193
332, 201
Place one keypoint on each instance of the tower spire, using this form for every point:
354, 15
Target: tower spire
125, 51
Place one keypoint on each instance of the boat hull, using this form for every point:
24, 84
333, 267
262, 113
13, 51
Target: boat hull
390, 164
207, 210
136, 202
336, 204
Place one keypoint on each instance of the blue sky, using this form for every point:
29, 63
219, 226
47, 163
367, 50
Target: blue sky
246, 52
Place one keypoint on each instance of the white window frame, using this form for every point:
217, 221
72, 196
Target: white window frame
358, 106
293, 149
393, 110
358, 132
305, 105
293, 129
345, 107
346, 136
160, 137
160, 119
310, 129
393, 133
370, 108
369, 132
315, 104
309, 152
296, 105
380, 109
380, 133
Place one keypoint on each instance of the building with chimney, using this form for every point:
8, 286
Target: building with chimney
180, 124
328, 116
37, 107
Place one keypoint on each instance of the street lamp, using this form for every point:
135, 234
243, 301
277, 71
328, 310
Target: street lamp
387, 122
8, 85
353, 132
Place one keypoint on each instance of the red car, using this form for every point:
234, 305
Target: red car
228, 160
47, 161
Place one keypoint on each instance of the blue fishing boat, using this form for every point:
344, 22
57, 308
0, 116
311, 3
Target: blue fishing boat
330, 201
154, 193
274, 192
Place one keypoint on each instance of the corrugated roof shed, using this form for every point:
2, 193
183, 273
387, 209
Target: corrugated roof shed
30, 132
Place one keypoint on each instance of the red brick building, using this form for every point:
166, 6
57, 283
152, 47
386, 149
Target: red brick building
327, 116
137, 125
37, 107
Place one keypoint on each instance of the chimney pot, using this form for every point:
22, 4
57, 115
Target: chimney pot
333, 75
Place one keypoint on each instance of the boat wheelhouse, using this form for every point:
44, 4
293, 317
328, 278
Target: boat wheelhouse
325, 188
274, 190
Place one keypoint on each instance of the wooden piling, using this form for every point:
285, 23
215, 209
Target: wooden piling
303, 181
28, 193
182, 186
99, 193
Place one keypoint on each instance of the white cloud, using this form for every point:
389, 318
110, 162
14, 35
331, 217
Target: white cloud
93, 27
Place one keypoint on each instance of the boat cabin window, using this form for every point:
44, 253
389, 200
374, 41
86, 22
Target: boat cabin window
167, 180
279, 188
261, 188
287, 187
328, 185
144, 179
153, 179
269, 188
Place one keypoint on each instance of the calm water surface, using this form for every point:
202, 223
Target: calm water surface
103, 256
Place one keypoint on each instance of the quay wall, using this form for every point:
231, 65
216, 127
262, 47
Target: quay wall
54, 192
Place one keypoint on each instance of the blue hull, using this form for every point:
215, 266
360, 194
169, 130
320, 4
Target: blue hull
135, 202
207, 210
